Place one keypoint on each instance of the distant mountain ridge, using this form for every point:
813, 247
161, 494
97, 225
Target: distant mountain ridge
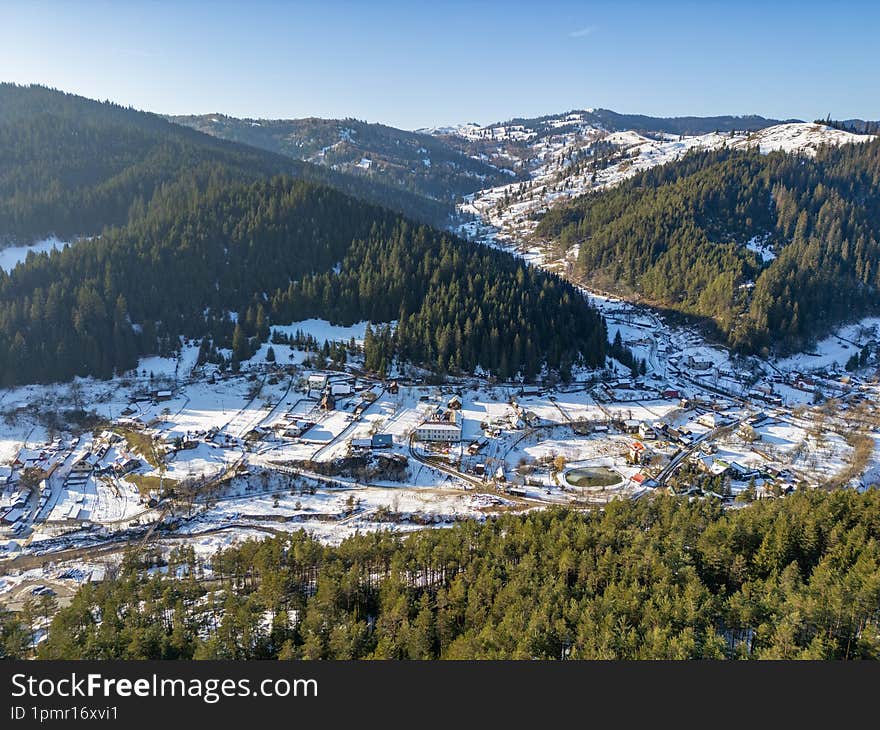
418, 163
612, 121
71, 166
442, 164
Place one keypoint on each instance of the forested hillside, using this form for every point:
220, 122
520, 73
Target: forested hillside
655, 579
283, 250
418, 163
612, 121
773, 248
70, 166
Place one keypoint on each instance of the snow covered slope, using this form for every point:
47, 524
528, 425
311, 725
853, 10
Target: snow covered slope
572, 154
801, 138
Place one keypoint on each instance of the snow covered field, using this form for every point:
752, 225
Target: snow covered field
835, 349
13, 255
322, 330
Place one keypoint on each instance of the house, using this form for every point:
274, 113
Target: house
316, 381
360, 444
13, 516
328, 402
646, 431
743, 472
127, 466
698, 364
162, 395
382, 441
30, 459
454, 403
636, 452
475, 446
338, 389
393, 387
805, 384
81, 466
711, 420
291, 431
671, 392
631, 425
174, 436
758, 419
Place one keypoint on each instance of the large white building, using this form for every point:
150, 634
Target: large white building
447, 429
317, 381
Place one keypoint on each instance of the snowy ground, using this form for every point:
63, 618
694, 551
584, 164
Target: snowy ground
322, 330
237, 425
13, 255
837, 348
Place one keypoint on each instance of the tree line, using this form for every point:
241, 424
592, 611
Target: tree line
660, 578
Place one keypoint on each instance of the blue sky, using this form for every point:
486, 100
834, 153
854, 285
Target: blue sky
414, 64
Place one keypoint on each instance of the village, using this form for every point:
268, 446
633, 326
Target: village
183, 454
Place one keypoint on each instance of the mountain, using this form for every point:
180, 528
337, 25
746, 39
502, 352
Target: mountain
773, 248
609, 121
688, 126
580, 159
511, 144
70, 166
415, 162
219, 264
444, 165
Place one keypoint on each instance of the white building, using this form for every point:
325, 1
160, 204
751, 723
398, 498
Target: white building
712, 420
446, 428
438, 431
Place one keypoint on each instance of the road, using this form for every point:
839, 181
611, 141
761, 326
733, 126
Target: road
445, 468
676, 460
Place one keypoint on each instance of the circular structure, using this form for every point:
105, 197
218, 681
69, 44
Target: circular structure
592, 477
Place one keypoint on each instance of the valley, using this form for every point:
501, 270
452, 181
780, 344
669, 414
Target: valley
180, 454
428, 379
